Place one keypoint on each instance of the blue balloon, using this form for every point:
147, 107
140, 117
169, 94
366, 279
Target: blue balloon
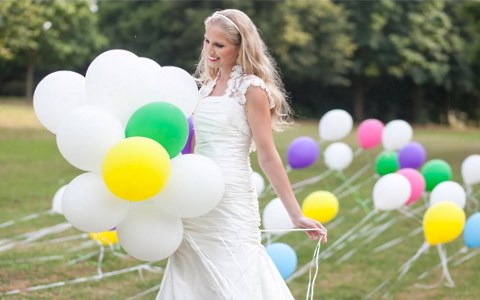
471, 232
284, 258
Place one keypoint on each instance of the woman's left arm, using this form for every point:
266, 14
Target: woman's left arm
259, 119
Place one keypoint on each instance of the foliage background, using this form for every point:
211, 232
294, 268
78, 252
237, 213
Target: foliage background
414, 60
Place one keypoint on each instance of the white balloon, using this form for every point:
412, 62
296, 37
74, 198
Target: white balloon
471, 169
89, 206
396, 134
179, 88
338, 156
148, 89
391, 191
86, 134
147, 233
57, 200
259, 183
335, 125
448, 191
149, 63
194, 188
111, 82
275, 216
56, 95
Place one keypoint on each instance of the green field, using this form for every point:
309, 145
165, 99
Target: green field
32, 170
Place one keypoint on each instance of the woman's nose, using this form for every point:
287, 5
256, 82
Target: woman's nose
211, 49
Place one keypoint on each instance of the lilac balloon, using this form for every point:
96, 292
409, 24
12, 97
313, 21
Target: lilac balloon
302, 152
187, 149
412, 155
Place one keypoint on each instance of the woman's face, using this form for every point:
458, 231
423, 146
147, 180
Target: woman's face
219, 51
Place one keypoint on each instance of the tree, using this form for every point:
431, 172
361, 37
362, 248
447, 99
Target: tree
48, 34
464, 82
20, 24
170, 32
314, 41
308, 38
407, 40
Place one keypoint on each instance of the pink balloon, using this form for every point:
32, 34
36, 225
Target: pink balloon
369, 133
417, 182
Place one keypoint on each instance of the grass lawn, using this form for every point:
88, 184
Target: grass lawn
32, 170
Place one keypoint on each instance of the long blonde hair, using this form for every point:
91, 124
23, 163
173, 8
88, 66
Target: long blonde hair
253, 56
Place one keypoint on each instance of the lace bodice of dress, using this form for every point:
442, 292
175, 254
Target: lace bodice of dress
237, 86
232, 103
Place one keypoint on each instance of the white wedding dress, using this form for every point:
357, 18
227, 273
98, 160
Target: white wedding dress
221, 256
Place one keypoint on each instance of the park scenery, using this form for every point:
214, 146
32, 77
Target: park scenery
97, 174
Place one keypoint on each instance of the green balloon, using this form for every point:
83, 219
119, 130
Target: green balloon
436, 171
387, 162
162, 122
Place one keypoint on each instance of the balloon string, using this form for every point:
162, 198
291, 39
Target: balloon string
474, 201
145, 292
311, 180
314, 261
445, 273
76, 280
443, 257
30, 237
289, 230
99, 262
354, 188
349, 232
348, 182
396, 241
408, 264
357, 152
466, 257
402, 271
311, 282
461, 251
26, 218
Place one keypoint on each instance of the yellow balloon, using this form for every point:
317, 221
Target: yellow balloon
321, 206
105, 238
136, 169
443, 222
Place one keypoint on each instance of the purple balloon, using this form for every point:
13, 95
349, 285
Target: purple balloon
412, 155
186, 149
302, 152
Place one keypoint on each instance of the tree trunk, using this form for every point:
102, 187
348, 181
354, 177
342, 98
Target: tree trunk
449, 116
30, 78
358, 99
416, 105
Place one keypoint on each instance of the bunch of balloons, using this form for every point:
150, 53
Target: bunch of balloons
126, 123
400, 156
304, 151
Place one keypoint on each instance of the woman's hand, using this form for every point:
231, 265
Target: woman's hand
307, 223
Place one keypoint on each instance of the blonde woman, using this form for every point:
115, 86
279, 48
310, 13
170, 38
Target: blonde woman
242, 100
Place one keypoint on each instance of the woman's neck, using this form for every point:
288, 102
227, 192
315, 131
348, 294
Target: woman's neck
225, 74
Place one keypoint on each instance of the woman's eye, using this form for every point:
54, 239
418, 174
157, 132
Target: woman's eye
206, 41
218, 45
